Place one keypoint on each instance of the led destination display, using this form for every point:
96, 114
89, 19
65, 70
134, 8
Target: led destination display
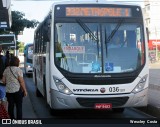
98, 12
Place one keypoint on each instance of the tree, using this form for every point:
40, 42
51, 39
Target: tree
18, 25
20, 46
19, 22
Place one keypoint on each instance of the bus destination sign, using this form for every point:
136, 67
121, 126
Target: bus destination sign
97, 12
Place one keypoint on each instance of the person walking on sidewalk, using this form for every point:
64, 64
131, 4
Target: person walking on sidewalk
15, 87
3, 110
2, 86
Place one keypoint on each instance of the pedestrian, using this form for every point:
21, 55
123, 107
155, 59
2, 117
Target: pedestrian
115, 41
2, 57
3, 111
2, 86
15, 87
7, 58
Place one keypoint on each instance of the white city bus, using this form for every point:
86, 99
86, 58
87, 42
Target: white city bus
92, 55
28, 56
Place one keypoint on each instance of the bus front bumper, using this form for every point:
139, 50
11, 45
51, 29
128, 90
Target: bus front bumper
63, 101
29, 70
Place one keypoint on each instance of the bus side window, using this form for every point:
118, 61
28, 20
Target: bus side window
47, 47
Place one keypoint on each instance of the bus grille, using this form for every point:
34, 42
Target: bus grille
90, 102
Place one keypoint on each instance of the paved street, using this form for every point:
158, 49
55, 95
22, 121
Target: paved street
154, 93
154, 89
28, 111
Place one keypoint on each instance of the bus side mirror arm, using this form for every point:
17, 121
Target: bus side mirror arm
147, 31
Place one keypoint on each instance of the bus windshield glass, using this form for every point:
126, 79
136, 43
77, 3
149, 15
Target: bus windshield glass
30, 52
99, 47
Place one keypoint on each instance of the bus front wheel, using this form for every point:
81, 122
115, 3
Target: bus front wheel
56, 112
38, 94
118, 110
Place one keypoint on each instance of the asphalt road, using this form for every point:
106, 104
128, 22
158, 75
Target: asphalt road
41, 109
37, 108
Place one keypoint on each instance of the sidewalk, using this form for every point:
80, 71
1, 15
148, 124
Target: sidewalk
153, 107
28, 111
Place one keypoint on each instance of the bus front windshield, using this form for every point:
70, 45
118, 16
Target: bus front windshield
30, 54
99, 47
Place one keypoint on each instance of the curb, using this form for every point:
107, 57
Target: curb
154, 87
151, 110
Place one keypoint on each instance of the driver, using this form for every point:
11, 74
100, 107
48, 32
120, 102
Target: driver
115, 41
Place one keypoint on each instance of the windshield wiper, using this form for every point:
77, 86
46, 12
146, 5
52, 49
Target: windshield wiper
105, 37
97, 43
87, 30
114, 31
107, 40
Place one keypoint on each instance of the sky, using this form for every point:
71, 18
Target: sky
35, 9
32, 10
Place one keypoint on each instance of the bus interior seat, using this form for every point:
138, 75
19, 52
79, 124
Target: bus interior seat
90, 57
131, 39
70, 64
86, 57
123, 57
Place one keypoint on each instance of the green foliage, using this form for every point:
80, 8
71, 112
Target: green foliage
18, 25
19, 22
4, 32
20, 46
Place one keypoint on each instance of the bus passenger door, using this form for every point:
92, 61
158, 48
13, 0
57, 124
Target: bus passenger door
48, 73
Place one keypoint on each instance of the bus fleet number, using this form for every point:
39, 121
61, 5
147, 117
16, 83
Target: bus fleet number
113, 89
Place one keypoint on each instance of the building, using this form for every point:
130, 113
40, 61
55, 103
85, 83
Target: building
5, 14
152, 18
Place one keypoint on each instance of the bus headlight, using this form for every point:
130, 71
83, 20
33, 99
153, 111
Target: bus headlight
28, 66
61, 87
140, 85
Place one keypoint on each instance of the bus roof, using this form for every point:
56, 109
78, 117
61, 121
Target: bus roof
76, 2
94, 2
28, 44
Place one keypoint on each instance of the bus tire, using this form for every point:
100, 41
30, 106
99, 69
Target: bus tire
118, 110
55, 112
38, 94
27, 74
44, 86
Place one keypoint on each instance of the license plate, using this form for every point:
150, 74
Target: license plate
107, 106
